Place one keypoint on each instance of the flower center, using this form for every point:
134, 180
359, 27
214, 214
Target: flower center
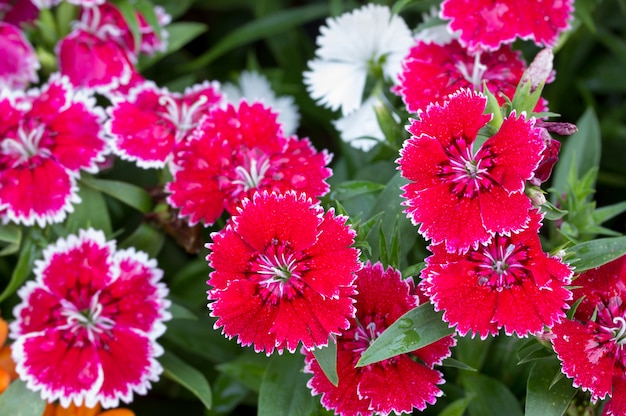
618, 331
252, 170
364, 336
473, 73
280, 271
25, 145
89, 319
464, 171
182, 115
500, 265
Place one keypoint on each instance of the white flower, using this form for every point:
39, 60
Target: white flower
348, 47
360, 128
255, 87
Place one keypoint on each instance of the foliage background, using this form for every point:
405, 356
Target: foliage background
215, 40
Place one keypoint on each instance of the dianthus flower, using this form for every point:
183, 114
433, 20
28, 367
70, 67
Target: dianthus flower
351, 47
486, 24
234, 153
19, 64
283, 273
398, 384
18, 12
591, 347
431, 72
509, 283
46, 138
86, 328
360, 128
146, 124
253, 86
460, 195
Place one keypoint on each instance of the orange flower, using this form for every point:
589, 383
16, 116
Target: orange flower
7, 366
58, 410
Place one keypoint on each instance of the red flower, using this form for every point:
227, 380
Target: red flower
283, 273
399, 384
486, 24
431, 72
147, 123
462, 196
510, 283
591, 347
19, 64
86, 329
236, 152
46, 138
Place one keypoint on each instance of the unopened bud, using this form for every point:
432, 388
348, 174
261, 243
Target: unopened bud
540, 70
536, 196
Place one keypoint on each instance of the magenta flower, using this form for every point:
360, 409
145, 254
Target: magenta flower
236, 152
86, 328
283, 273
146, 124
591, 347
486, 24
460, 195
399, 384
509, 283
18, 12
431, 72
46, 138
19, 64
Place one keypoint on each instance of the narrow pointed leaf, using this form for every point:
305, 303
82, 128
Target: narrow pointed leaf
545, 398
187, 376
327, 359
595, 253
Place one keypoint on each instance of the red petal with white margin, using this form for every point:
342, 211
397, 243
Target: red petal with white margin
19, 63
39, 311
400, 385
420, 162
460, 116
517, 149
454, 289
128, 363
43, 194
617, 405
78, 379
343, 398
583, 358
289, 218
93, 63
135, 299
504, 219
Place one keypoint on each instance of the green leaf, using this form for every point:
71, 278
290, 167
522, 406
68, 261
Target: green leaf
451, 362
180, 312
131, 19
179, 34
129, 194
543, 398
551, 212
327, 359
605, 213
248, 368
29, 252
349, 189
457, 407
274, 24
187, 376
11, 234
17, 400
595, 253
283, 390
489, 396
145, 238
415, 329
581, 151
91, 212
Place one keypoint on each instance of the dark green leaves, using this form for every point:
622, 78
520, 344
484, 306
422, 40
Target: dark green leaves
187, 376
415, 329
595, 253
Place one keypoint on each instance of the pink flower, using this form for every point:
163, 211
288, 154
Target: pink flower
19, 64
486, 24
431, 72
46, 138
399, 384
18, 12
236, 152
283, 273
591, 347
146, 124
86, 329
462, 196
509, 283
